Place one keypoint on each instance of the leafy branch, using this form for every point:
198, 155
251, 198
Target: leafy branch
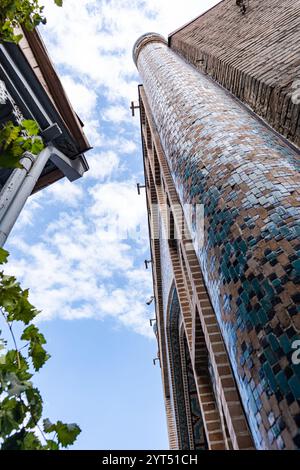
17, 139
21, 404
15, 13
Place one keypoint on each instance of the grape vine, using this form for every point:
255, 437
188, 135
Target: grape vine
15, 13
21, 404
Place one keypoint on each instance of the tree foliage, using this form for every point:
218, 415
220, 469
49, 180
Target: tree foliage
17, 139
25, 13
21, 404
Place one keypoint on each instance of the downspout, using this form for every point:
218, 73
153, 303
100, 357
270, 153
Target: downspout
18, 189
14, 182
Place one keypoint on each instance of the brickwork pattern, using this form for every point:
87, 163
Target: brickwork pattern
194, 306
248, 181
256, 56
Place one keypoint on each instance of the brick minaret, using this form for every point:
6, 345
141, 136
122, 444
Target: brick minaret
227, 309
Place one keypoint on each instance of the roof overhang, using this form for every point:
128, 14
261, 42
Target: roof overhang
33, 84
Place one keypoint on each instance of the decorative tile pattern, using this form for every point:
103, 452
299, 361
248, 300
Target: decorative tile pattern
177, 389
5, 97
248, 181
166, 267
185, 397
196, 416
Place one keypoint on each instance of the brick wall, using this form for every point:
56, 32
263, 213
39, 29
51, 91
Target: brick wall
193, 305
248, 181
256, 56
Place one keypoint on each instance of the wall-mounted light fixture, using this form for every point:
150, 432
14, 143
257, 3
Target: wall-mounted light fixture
152, 320
149, 302
155, 360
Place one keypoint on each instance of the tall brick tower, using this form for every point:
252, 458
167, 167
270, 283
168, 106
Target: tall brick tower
223, 196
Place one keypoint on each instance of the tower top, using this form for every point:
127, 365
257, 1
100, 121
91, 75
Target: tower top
143, 40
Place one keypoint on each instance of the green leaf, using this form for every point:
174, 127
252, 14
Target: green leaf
48, 426
16, 386
31, 442
13, 142
38, 354
15, 441
66, 433
15, 300
35, 405
3, 256
30, 126
21, 404
16, 364
37, 146
7, 423
11, 158
13, 411
22, 440
51, 445
32, 333
8, 134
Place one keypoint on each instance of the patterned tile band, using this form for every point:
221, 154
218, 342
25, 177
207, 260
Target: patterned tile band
248, 181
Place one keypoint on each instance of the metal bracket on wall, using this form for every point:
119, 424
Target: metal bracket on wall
139, 187
51, 133
147, 262
133, 107
72, 169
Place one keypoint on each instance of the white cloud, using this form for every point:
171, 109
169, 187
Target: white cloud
116, 114
123, 145
64, 192
102, 165
84, 98
119, 211
92, 131
27, 215
95, 39
81, 266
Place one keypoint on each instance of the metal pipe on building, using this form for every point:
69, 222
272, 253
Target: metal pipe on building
23, 180
14, 182
18, 189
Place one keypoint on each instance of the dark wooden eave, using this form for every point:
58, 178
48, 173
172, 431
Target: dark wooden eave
56, 90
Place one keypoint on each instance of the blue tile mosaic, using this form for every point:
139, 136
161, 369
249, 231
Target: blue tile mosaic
248, 181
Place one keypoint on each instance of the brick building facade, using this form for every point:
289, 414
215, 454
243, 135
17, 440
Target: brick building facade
223, 197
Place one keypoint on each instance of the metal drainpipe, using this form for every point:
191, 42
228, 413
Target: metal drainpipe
24, 184
14, 182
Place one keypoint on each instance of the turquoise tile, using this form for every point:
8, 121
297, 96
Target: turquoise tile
294, 384
282, 382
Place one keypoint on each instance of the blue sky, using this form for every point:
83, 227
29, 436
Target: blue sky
87, 277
